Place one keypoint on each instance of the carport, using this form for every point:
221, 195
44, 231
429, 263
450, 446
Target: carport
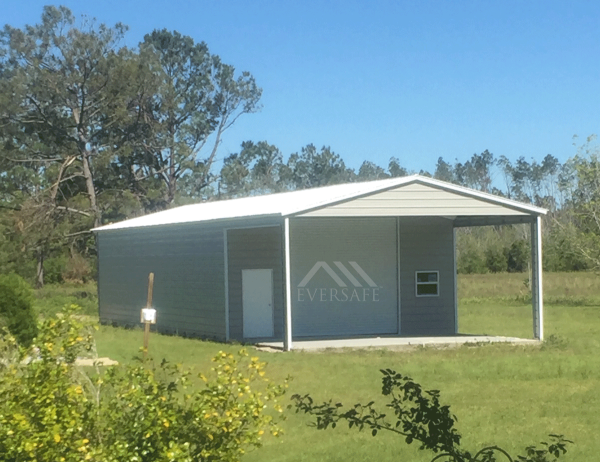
403, 232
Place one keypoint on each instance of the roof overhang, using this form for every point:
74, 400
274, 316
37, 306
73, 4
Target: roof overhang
411, 196
420, 196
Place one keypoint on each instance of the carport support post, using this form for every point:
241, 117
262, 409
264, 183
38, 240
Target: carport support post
537, 295
287, 340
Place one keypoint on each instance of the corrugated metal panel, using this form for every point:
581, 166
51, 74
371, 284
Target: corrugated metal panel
344, 279
254, 248
267, 205
188, 264
426, 244
415, 200
309, 200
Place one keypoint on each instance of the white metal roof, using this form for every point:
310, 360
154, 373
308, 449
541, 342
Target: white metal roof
305, 202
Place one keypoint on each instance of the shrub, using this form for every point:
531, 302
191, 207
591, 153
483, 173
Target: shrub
495, 259
16, 308
54, 268
471, 261
44, 412
77, 269
563, 250
518, 256
51, 409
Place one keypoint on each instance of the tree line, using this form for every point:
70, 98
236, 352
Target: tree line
93, 131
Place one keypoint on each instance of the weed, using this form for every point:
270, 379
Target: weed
554, 342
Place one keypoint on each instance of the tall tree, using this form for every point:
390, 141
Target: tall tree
444, 171
66, 87
550, 168
395, 169
257, 169
476, 173
583, 221
506, 169
312, 168
197, 99
371, 171
69, 87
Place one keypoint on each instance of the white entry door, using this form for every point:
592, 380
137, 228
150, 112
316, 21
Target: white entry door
257, 302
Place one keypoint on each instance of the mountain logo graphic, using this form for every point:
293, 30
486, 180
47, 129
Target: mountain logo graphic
345, 272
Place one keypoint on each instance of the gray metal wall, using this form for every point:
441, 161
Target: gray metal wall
189, 264
426, 244
254, 248
189, 283
321, 308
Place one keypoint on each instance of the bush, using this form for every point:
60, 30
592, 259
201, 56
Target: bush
53, 410
77, 269
563, 250
495, 259
471, 261
16, 308
53, 269
518, 256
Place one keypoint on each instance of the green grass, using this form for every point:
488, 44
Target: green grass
559, 288
507, 395
53, 297
512, 396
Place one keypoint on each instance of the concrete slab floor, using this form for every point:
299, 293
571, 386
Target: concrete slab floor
395, 342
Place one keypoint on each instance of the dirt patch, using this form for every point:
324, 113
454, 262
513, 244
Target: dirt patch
96, 362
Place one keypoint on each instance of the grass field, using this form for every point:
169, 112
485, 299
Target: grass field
53, 297
512, 396
559, 288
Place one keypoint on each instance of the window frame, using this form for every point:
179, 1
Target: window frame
417, 283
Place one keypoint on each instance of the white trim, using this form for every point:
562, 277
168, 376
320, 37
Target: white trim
288, 288
540, 275
385, 185
398, 275
437, 283
537, 291
271, 225
480, 195
226, 266
455, 283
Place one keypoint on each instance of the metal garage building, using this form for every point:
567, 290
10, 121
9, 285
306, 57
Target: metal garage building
361, 259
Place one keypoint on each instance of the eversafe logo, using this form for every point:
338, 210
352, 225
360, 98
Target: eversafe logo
359, 293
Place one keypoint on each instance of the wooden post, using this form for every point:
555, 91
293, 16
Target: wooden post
148, 305
150, 289
146, 338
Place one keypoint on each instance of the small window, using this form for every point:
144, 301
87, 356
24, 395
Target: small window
427, 283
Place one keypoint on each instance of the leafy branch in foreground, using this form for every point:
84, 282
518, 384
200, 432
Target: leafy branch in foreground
419, 417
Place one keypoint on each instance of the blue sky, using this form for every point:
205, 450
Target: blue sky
412, 79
